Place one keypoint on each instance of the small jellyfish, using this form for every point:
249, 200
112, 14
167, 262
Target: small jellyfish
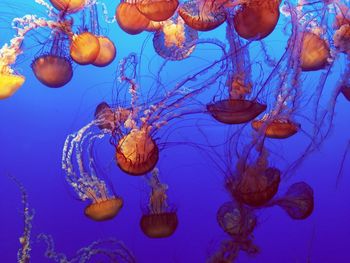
254, 184
314, 52
9, 84
130, 19
157, 10
279, 128
85, 48
202, 15
256, 19
82, 176
69, 6
298, 201
160, 220
175, 40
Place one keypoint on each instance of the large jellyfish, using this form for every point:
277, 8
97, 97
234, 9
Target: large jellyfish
160, 220
81, 174
157, 10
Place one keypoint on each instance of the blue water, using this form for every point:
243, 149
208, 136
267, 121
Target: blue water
36, 121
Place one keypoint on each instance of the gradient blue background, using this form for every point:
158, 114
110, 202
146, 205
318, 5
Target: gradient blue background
36, 121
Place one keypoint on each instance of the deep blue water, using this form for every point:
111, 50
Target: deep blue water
36, 121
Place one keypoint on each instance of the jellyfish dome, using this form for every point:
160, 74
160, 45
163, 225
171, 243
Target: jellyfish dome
52, 70
107, 52
314, 53
9, 84
158, 10
85, 48
202, 15
256, 186
137, 153
130, 19
256, 19
104, 210
159, 225
69, 6
236, 220
175, 40
235, 111
276, 128
298, 201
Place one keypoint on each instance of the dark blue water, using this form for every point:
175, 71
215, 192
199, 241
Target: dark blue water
36, 121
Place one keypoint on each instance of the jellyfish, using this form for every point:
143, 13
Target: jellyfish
85, 48
10, 80
254, 183
82, 176
175, 40
160, 221
54, 69
202, 15
298, 201
69, 6
237, 108
256, 19
108, 118
314, 53
130, 19
239, 223
157, 10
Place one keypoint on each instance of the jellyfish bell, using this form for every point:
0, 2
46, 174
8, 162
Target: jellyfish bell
202, 15
107, 52
276, 128
256, 186
130, 19
236, 220
160, 225
85, 48
175, 40
103, 210
298, 201
9, 84
53, 71
314, 53
256, 19
68, 6
235, 111
157, 10
341, 39
137, 153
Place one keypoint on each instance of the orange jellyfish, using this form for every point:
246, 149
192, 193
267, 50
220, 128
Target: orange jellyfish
298, 201
202, 15
9, 84
175, 40
69, 6
54, 69
157, 10
159, 221
314, 53
130, 19
237, 108
256, 19
81, 175
276, 128
255, 183
85, 48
